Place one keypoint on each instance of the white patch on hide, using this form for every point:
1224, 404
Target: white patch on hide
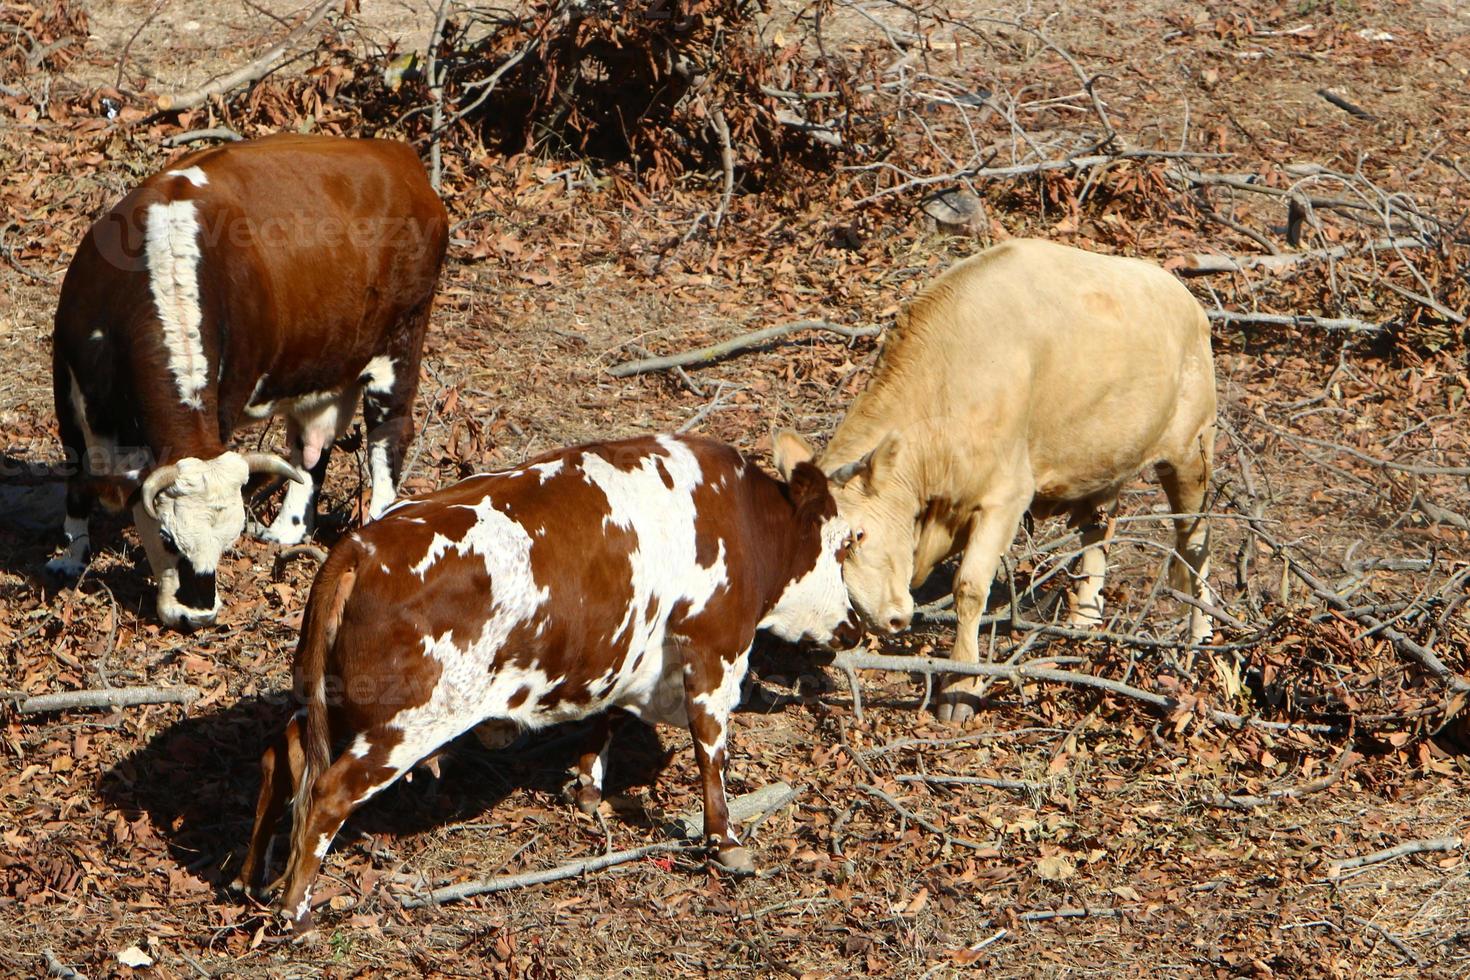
379, 376
193, 175
172, 238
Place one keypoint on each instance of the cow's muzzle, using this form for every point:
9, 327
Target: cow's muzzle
848, 634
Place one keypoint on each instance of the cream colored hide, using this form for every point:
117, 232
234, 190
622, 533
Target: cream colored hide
1035, 377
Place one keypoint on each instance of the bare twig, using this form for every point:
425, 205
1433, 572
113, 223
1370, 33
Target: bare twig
1021, 785
435, 74
727, 162
1398, 944
1297, 320
930, 665
1431, 845
256, 70
714, 352
1082, 913
196, 135
111, 697
908, 814
1242, 802
571, 869
1203, 263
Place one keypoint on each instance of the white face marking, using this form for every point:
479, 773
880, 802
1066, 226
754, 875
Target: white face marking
193, 175
203, 512
379, 375
880, 568
813, 606
172, 238
95, 335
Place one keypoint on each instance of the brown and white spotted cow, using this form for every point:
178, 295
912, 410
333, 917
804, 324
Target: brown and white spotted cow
628, 575
282, 276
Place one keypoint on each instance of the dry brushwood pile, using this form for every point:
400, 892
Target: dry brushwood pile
632, 183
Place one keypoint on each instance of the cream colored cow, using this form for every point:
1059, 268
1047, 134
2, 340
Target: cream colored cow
1035, 377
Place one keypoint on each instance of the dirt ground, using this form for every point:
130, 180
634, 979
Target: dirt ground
1109, 843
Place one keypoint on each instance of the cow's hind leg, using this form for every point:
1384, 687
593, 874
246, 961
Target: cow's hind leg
1186, 480
67, 568
991, 532
356, 776
278, 784
586, 788
1095, 519
390, 382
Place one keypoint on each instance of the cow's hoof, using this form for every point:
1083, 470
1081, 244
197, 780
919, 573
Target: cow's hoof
291, 533
64, 572
736, 860
587, 798
956, 709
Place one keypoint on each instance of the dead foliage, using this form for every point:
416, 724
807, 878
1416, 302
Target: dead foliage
1097, 834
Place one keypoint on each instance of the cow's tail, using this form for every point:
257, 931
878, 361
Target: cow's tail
323, 616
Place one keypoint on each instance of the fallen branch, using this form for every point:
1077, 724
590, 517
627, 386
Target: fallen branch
253, 72
727, 162
1242, 802
1409, 952
714, 352
750, 806
1297, 320
1082, 913
931, 665
572, 869
1346, 106
196, 135
1203, 263
56, 968
296, 551
1435, 844
111, 697
1405, 645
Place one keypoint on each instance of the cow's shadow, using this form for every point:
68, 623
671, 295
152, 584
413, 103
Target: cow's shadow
198, 781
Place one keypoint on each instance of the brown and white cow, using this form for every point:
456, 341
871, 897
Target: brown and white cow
1031, 376
628, 575
282, 276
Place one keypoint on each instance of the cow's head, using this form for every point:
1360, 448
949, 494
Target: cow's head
881, 508
814, 605
188, 513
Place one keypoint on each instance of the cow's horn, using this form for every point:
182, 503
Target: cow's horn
847, 471
271, 463
158, 481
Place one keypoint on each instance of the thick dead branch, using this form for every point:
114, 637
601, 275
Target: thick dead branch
111, 697
1202, 263
1299, 321
256, 70
1019, 672
1346, 106
571, 869
749, 806
1431, 845
727, 162
714, 352
1409, 952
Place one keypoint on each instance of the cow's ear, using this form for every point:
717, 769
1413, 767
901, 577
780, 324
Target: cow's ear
808, 485
872, 469
790, 450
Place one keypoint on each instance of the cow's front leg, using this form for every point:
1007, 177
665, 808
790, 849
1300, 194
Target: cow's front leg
991, 531
310, 430
711, 689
